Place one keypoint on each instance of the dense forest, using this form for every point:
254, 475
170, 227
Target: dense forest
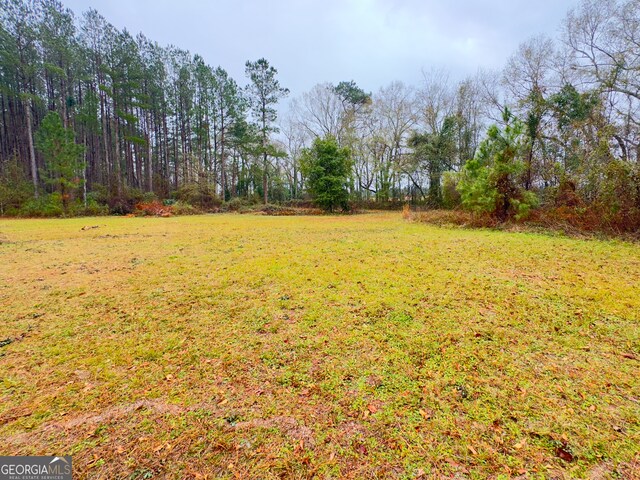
95, 119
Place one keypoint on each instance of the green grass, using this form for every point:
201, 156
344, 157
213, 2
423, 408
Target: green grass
234, 346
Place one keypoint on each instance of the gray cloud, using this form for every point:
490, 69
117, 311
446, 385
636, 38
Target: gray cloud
370, 41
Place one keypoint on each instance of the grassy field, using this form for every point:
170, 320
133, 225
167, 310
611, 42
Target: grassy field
232, 346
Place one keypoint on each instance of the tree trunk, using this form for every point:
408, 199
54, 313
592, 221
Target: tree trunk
105, 132
32, 153
116, 155
149, 156
84, 170
223, 171
528, 174
265, 184
234, 176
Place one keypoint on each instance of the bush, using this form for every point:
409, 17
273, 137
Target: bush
43, 206
281, 210
125, 202
99, 193
161, 209
609, 201
450, 195
182, 208
200, 195
299, 203
388, 205
620, 190
92, 208
565, 195
15, 188
154, 208
406, 211
13, 197
447, 218
236, 204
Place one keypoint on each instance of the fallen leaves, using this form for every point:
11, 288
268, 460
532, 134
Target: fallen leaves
425, 414
564, 452
520, 444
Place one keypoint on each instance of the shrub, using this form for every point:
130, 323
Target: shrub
281, 210
44, 206
450, 195
15, 188
566, 195
236, 204
13, 197
183, 208
388, 205
126, 201
299, 203
99, 193
406, 211
154, 208
92, 208
620, 190
446, 218
200, 195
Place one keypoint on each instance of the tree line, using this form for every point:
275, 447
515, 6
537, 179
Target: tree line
151, 119
558, 127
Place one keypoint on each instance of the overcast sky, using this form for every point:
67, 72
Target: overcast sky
370, 41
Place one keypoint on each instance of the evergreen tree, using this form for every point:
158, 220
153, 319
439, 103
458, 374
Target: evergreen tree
490, 183
62, 155
327, 167
264, 92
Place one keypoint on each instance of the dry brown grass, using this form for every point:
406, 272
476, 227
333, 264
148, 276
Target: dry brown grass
578, 221
406, 211
565, 220
450, 218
